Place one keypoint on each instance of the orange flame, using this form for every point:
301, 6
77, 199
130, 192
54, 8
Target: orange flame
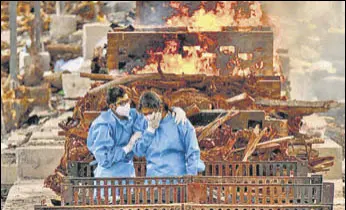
198, 59
227, 13
193, 61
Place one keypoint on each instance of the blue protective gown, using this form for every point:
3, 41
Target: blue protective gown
107, 135
171, 151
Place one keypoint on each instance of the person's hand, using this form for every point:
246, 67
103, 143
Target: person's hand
154, 121
132, 142
179, 115
135, 137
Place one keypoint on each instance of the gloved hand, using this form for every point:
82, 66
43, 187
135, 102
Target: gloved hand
154, 121
179, 115
132, 142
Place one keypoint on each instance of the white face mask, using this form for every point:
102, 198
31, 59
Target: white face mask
149, 117
123, 110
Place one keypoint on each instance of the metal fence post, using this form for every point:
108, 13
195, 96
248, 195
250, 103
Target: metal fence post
13, 41
38, 25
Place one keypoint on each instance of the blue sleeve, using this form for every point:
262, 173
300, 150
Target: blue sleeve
101, 145
141, 146
139, 121
192, 151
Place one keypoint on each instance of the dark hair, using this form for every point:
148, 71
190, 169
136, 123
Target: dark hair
114, 93
149, 100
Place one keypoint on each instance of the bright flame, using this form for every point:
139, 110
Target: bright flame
194, 61
225, 13
198, 59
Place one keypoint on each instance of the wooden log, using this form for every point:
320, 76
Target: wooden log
266, 148
121, 81
273, 146
225, 84
72, 98
211, 127
54, 79
307, 141
253, 144
90, 116
105, 77
61, 133
192, 110
278, 140
64, 48
161, 84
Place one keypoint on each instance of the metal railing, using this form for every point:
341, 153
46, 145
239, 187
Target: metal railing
216, 168
197, 189
190, 206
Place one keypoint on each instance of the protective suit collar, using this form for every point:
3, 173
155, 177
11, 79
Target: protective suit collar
167, 118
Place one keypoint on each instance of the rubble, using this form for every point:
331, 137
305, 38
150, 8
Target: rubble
92, 33
67, 22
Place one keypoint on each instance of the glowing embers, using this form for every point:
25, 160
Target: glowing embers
245, 56
232, 13
192, 60
227, 50
241, 64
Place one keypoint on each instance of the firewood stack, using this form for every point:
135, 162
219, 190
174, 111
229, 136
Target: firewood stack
217, 140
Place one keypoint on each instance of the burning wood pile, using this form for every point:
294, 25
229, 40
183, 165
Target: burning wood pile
204, 71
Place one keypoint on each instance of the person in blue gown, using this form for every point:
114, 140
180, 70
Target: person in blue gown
114, 132
170, 149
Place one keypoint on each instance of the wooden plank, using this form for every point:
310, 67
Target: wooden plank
106, 191
137, 193
218, 194
91, 195
113, 195
256, 195
152, 197
75, 196
213, 173
234, 194
249, 195
98, 196
83, 196
167, 194
128, 194
241, 194
121, 195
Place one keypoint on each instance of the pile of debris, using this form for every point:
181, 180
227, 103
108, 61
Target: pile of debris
25, 15
40, 77
20, 95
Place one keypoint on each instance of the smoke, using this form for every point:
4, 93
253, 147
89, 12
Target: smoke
314, 34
